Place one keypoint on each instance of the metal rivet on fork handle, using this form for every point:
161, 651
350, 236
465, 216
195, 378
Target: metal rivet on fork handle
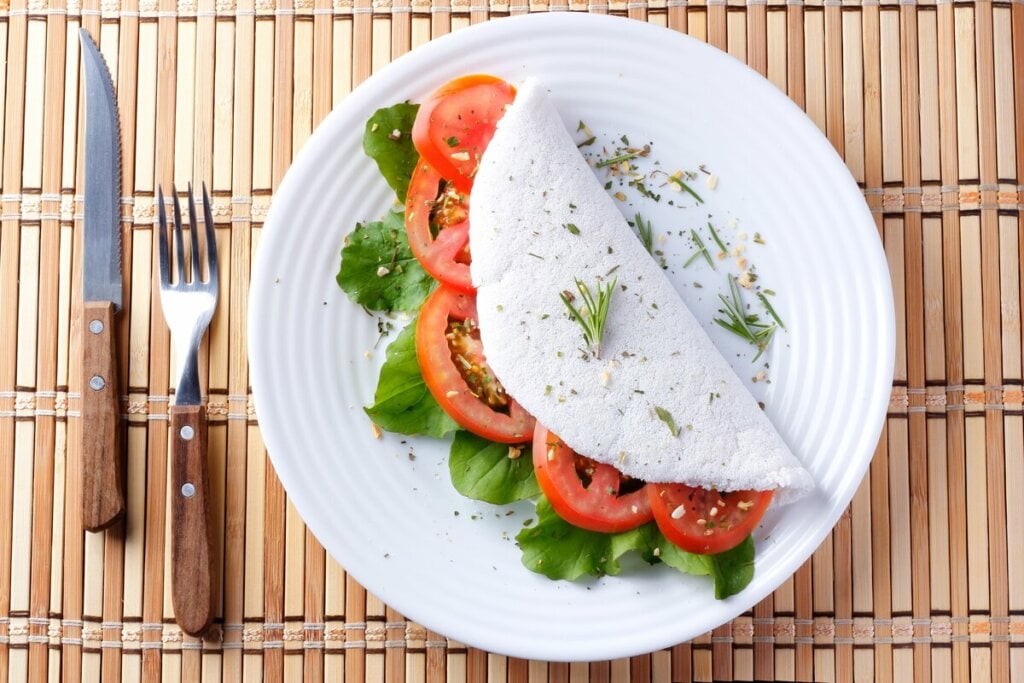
187, 433
188, 489
96, 383
96, 326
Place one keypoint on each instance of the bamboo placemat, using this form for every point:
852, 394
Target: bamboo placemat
923, 578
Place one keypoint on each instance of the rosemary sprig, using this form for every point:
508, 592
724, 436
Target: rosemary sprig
595, 311
701, 251
618, 158
771, 311
683, 186
718, 240
747, 326
646, 233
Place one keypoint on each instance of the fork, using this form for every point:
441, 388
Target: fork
188, 306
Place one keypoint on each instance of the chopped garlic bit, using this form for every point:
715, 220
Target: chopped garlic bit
620, 196
661, 238
745, 280
712, 181
382, 271
460, 156
551, 453
514, 452
367, 355
605, 378
395, 134
760, 377
741, 235
679, 512
622, 457
376, 430
451, 394
732, 223
745, 505
374, 127
657, 552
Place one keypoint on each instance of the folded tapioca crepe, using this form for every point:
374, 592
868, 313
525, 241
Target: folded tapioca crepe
539, 221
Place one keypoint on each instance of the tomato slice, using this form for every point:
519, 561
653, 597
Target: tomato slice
706, 521
437, 223
585, 493
454, 125
451, 358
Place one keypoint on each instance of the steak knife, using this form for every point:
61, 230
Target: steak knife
102, 480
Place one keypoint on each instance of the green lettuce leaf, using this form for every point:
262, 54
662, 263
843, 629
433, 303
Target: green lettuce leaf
482, 470
388, 141
402, 402
378, 270
559, 550
733, 569
677, 558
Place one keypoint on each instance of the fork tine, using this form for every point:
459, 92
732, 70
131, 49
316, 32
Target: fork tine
165, 266
193, 232
179, 240
211, 239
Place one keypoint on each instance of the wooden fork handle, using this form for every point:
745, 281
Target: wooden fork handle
102, 479
191, 534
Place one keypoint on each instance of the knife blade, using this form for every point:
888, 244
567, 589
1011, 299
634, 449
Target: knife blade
102, 480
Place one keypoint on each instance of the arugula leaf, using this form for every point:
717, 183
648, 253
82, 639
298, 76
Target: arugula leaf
482, 470
733, 569
388, 141
378, 269
559, 550
402, 402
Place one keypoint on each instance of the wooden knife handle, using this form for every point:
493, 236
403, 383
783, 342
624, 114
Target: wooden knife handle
102, 479
191, 535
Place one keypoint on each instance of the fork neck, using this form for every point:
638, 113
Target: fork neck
187, 391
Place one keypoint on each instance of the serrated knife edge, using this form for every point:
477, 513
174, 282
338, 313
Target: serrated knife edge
102, 196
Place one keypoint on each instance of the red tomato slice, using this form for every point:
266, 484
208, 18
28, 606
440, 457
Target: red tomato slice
705, 521
437, 223
447, 335
454, 125
586, 493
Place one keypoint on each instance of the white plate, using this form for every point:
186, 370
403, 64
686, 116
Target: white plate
391, 519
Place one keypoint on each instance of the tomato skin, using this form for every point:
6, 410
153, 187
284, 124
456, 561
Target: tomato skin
597, 507
445, 381
439, 256
728, 526
455, 123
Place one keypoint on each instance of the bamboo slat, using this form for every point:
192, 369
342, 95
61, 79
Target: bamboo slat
923, 577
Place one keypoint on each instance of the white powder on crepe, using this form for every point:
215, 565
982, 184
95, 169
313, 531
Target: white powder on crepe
532, 184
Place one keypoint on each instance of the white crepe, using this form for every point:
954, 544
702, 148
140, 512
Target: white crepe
533, 183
